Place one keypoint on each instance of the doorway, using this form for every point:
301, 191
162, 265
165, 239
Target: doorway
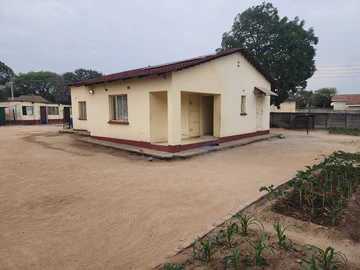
43, 115
208, 115
194, 116
259, 113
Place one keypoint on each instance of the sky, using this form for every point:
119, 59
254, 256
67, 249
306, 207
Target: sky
111, 36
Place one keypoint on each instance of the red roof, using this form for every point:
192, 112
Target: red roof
351, 99
30, 98
176, 66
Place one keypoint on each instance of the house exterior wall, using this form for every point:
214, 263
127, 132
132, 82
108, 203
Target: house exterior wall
35, 117
230, 76
340, 105
158, 117
98, 107
286, 106
226, 79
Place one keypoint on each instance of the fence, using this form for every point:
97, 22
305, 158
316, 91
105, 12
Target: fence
321, 120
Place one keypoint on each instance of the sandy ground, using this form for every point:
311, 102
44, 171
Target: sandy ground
64, 205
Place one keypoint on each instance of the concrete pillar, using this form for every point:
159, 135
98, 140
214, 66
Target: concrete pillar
174, 117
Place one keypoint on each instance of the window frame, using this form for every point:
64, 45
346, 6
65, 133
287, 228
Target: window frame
82, 110
115, 116
26, 110
55, 110
243, 105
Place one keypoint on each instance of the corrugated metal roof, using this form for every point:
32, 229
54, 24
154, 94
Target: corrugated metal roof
176, 66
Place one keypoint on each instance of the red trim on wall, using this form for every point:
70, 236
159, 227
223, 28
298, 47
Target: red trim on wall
82, 118
33, 122
74, 129
179, 148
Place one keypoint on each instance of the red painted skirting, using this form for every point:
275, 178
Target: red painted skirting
34, 122
178, 148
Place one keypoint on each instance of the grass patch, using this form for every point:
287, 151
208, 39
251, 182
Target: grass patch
345, 131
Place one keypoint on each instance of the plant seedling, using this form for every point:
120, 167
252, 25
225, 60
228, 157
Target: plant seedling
328, 258
280, 233
273, 193
230, 231
246, 222
171, 266
259, 246
204, 249
234, 261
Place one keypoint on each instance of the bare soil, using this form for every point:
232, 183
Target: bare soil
68, 205
343, 237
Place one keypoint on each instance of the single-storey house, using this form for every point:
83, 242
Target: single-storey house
177, 106
289, 105
346, 102
33, 110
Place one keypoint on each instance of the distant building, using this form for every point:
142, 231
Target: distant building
346, 102
33, 110
288, 105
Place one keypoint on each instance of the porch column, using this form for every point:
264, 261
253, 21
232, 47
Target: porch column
174, 117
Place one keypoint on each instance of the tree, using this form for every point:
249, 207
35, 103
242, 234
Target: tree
44, 83
322, 97
283, 46
5, 73
303, 98
76, 76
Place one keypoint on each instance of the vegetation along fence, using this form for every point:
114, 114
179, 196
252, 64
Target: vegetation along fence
318, 120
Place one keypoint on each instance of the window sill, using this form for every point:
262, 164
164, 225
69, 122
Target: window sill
82, 118
115, 122
243, 113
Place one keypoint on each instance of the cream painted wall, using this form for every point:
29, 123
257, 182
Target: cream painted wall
227, 78
340, 105
17, 106
231, 76
98, 107
287, 106
158, 117
79, 94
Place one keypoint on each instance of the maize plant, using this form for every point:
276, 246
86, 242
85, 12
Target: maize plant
259, 246
280, 233
234, 261
171, 266
273, 193
328, 258
246, 222
204, 249
229, 233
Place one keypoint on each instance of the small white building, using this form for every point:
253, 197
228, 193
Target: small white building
288, 105
346, 102
33, 110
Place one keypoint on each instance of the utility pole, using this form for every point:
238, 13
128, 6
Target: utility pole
12, 88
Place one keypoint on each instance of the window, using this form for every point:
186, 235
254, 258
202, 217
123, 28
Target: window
82, 110
243, 105
53, 110
119, 108
27, 110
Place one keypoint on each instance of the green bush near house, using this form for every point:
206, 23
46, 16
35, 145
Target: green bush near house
345, 131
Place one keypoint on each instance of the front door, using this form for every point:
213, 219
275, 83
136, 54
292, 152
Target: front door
194, 116
43, 115
2, 116
259, 113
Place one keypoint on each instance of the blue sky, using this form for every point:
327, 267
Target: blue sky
111, 36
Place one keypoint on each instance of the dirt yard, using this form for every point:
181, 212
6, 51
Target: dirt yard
67, 205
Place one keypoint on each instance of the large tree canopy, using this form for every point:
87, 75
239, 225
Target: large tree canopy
76, 76
5, 73
283, 46
322, 97
44, 83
